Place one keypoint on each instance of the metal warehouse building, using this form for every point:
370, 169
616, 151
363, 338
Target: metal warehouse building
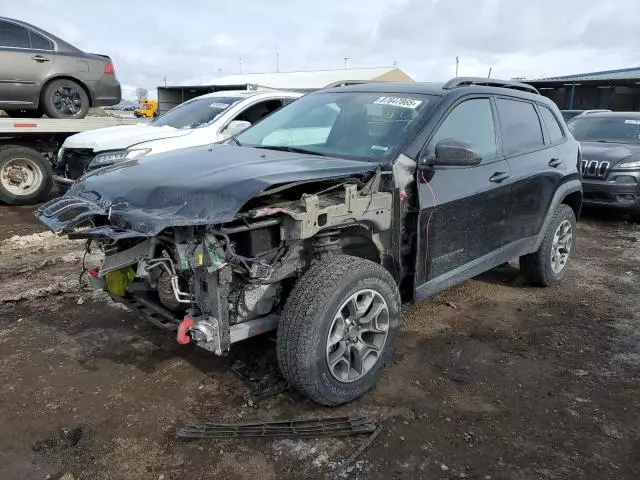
611, 89
302, 81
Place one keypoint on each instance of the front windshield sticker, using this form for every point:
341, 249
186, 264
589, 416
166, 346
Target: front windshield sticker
218, 105
399, 102
633, 122
379, 147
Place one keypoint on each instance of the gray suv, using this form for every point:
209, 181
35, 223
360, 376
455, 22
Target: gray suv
40, 73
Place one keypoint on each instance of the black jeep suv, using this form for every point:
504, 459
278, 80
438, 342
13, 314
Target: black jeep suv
610, 164
320, 219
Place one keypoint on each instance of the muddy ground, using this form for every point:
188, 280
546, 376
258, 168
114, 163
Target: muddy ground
492, 379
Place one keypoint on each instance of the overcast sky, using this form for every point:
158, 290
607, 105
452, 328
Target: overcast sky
191, 42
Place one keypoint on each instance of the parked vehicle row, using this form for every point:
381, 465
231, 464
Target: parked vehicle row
610, 164
41, 73
322, 217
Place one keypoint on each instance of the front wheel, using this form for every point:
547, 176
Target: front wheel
548, 265
338, 329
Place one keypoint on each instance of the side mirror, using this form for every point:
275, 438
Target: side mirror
234, 128
455, 153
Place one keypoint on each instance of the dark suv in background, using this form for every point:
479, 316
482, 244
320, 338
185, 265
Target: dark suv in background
40, 73
610, 164
320, 218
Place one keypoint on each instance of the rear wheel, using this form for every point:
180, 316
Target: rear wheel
33, 113
548, 265
338, 329
26, 176
65, 99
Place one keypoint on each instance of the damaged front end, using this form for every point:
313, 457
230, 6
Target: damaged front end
219, 283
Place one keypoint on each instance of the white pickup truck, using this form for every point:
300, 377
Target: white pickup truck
203, 120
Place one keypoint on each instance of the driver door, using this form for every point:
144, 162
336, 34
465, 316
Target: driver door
463, 210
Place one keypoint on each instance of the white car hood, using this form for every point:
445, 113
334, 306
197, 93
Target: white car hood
121, 137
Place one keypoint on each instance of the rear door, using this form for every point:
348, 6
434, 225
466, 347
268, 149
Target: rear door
536, 166
463, 210
26, 58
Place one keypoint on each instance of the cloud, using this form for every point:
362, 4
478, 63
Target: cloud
149, 41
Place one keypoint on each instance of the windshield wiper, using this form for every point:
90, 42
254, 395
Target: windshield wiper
282, 148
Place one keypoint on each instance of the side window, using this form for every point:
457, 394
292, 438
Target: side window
472, 122
13, 36
257, 112
521, 129
556, 134
39, 42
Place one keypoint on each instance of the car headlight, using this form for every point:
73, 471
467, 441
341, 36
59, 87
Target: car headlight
109, 158
628, 165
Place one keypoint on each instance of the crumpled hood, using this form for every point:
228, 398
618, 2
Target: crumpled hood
121, 136
609, 152
192, 186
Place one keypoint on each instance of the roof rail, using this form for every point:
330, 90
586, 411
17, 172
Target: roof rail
344, 83
488, 82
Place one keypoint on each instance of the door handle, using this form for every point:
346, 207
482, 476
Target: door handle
498, 177
40, 58
555, 162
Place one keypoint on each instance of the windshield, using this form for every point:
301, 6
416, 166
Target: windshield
358, 125
195, 113
606, 129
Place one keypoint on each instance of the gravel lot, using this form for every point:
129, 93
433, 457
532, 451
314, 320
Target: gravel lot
492, 379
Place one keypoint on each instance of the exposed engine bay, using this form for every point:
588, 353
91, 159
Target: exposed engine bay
219, 284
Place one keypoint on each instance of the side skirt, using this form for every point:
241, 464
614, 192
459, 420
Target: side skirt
475, 267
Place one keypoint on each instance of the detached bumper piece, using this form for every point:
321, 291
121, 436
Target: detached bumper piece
332, 427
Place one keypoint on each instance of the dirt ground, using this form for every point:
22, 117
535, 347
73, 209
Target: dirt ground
492, 379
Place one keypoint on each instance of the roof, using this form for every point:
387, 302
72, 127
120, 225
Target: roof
611, 115
247, 94
304, 80
434, 88
632, 74
61, 44
427, 88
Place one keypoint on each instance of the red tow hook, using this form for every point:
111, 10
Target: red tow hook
94, 272
183, 337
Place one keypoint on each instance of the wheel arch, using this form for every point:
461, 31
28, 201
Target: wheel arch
84, 86
569, 193
357, 240
574, 200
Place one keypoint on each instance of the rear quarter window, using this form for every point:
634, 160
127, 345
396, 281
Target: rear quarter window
521, 129
556, 134
39, 42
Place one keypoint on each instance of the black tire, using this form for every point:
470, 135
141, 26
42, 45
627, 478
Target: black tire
536, 267
33, 113
309, 313
34, 162
56, 105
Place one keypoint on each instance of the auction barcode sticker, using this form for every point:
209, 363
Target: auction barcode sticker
633, 122
398, 102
